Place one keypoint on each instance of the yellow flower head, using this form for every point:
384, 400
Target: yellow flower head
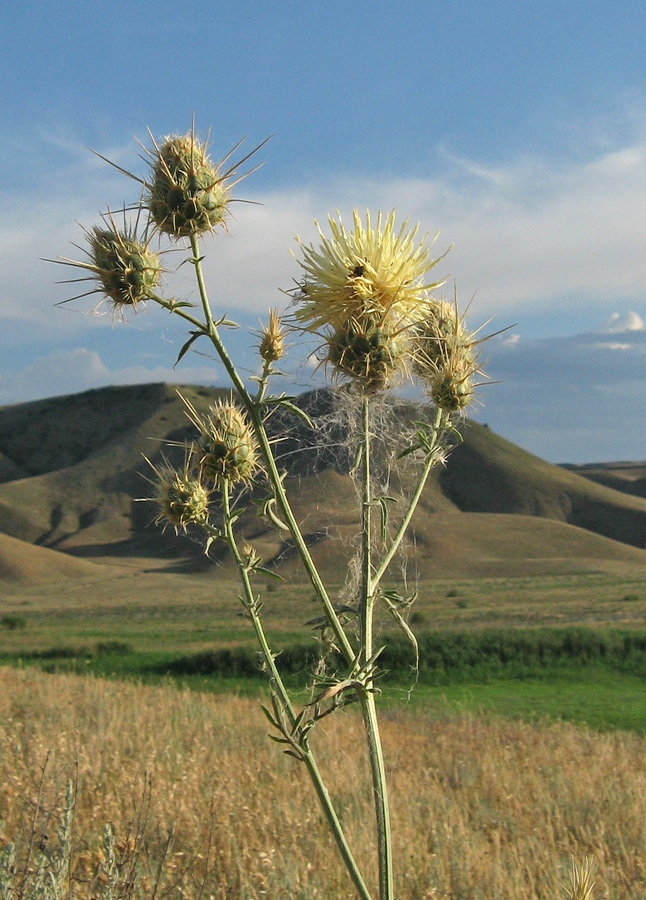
365, 274
362, 289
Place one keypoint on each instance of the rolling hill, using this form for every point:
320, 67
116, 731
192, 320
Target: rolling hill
72, 475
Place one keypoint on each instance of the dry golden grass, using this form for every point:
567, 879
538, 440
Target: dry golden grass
481, 808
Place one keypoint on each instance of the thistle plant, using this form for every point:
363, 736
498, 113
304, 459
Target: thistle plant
366, 297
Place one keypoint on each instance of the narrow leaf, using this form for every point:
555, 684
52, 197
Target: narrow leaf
187, 346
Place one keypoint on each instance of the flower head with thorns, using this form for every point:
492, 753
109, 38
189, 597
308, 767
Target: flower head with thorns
186, 193
272, 339
362, 291
226, 449
182, 498
445, 356
122, 265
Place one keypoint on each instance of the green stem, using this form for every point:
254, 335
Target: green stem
366, 692
278, 686
272, 471
439, 427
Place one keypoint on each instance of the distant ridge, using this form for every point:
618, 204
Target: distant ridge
72, 472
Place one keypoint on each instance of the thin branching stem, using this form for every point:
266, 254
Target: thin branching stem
439, 427
250, 603
366, 691
254, 413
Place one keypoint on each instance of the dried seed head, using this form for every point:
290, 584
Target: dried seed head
182, 498
186, 193
227, 449
272, 341
126, 270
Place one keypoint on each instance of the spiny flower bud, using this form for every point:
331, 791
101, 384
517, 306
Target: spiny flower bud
186, 194
369, 355
120, 263
182, 497
439, 335
127, 271
451, 391
272, 341
227, 449
444, 354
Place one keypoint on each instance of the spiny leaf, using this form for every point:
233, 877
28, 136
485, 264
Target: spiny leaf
187, 346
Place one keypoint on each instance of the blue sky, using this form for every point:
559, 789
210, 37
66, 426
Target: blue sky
517, 129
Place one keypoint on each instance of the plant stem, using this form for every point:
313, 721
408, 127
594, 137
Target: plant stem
274, 476
439, 427
366, 691
251, 605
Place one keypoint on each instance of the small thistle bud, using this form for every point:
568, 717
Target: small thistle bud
250, 556
272, 341
445, 357
186, 193
120, 263
182, 498
227, 449
367, 354
438, 336
451, 391
127, 271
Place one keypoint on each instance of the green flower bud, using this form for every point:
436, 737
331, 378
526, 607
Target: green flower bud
227, 449
186, 193
127, 271
365, 353
182, 498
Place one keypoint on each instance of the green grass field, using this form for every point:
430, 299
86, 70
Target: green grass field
156, 626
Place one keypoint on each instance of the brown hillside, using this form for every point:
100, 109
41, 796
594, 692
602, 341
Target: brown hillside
23, 562
73, 475
629, 477
486, 473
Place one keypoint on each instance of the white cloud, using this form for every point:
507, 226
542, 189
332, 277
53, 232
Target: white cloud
527, 232
620, 322
579, 398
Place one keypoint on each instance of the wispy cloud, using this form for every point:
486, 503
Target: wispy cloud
533, 231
